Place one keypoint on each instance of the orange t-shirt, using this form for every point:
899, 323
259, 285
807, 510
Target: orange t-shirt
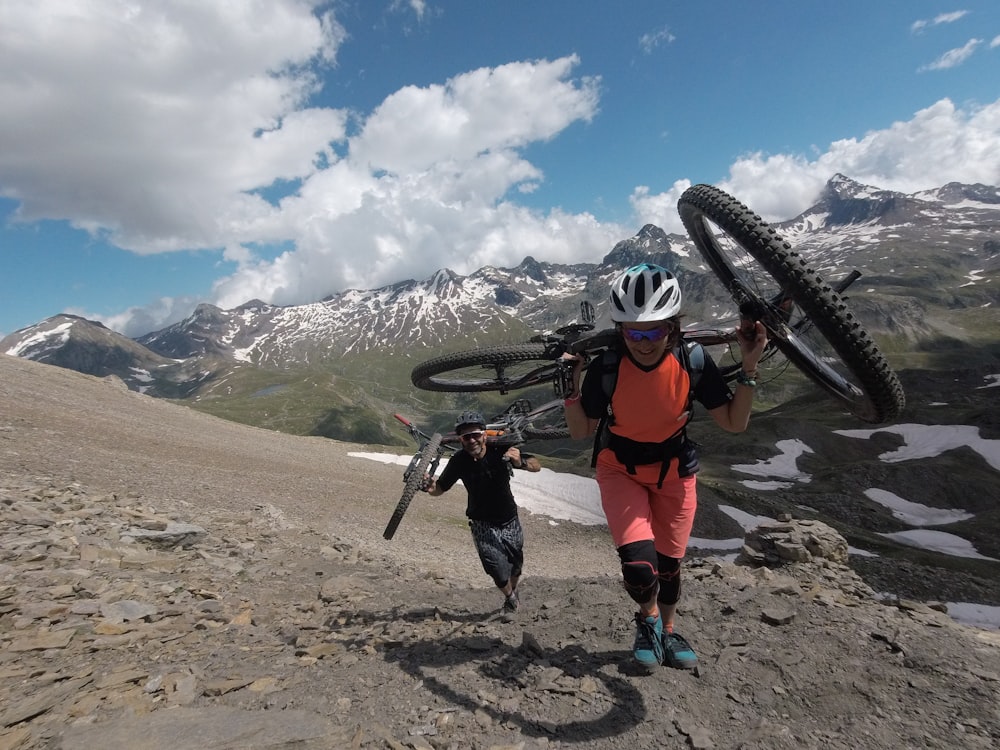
650, 407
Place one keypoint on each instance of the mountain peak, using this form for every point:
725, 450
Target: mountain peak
254, 305
650, 244
846, 201
532, 269
87, 346
651, 233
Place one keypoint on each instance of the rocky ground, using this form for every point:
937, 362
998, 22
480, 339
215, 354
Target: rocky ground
169, 580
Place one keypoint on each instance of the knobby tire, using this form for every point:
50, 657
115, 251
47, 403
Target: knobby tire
873, 393
413, 483
444, 373
503, 368
553, 433
547, 422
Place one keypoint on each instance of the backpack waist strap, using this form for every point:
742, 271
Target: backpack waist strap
632, 453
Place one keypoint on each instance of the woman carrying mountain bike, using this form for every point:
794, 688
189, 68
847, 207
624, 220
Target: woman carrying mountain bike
645, 463
496, 528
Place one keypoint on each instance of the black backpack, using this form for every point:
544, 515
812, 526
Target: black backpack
692, 358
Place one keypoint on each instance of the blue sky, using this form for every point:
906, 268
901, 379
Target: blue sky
155, 154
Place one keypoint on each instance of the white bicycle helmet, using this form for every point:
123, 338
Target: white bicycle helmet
645, 293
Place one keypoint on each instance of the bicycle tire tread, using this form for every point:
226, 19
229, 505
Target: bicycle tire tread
884, 395
426, 374
412, 485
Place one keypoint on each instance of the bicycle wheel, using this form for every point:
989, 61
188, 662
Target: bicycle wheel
494, 368
547, 422
806, 319
413, 483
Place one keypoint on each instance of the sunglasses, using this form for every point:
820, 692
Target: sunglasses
653, 335
472, 435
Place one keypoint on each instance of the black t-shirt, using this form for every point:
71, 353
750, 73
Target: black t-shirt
487, 481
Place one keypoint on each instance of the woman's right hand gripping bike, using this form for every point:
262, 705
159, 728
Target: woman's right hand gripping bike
807, 321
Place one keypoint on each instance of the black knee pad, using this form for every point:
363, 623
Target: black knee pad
639, 569
670, 579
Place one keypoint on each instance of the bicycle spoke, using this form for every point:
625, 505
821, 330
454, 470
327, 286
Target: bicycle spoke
761, 297
805, 318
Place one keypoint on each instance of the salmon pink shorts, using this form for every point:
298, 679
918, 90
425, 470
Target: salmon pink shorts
636, 510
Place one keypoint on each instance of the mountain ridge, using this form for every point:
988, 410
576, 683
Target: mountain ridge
935, 317
929, 263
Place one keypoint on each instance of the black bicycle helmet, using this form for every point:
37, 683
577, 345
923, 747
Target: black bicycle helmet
467, 418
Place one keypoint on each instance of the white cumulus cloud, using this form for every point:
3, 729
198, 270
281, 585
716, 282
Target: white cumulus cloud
172, 125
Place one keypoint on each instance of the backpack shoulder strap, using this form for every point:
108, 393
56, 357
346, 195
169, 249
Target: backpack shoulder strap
693, 359
610, 359
691, 355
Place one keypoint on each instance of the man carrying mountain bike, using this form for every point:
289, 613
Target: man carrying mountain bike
492, 512
645, 463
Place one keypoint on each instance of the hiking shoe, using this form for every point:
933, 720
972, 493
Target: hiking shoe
511, 603
648, 648
678, 652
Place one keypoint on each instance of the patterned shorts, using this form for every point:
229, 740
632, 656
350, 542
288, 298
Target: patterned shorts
500, 548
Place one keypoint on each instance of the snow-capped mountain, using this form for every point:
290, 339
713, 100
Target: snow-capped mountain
90, 347
927, 259
889, 235
490, 304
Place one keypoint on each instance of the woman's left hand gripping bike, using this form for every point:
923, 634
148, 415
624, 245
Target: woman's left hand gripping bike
518, 424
